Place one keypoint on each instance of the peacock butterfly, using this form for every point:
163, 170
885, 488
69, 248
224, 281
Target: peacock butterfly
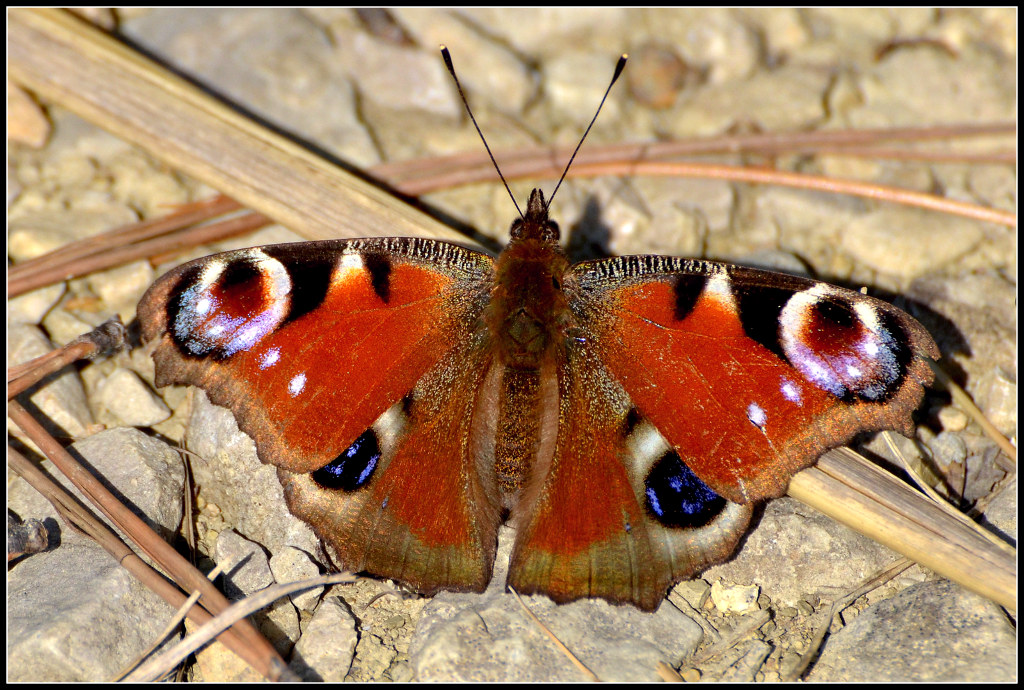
624, 414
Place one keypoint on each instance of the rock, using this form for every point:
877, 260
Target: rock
795, 550
247, 571
247, 491
328, 643
73, 613
60, 397
277, 62
931, 632
123, 398
908, 242
734, 598
290, 564
481, 638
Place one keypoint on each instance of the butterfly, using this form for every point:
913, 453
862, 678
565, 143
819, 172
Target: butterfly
624, 414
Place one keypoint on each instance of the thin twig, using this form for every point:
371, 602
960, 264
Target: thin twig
810, 182
819, 635
182, 216
173, 624
747, 626
79, 519
256, 650
80, 266
965, 403
848, 142
109, 337
558, 643
155, 668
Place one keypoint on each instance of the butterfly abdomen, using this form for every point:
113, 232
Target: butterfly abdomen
518, 429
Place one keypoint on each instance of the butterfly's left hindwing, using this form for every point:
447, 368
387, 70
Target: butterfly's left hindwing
613, 512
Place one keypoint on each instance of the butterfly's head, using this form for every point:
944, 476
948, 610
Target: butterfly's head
535, 224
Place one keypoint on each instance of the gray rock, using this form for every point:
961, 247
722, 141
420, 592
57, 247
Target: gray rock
247, 571
31, 307
291, 564
328, 643
60, 397
278, 62
231, 476
123, 398
931, 632
929, 86
488, 637
73, 613
908, 242
499, 76
1003, 512
795, 550
119, 287
145, 470
789, 98
244, 564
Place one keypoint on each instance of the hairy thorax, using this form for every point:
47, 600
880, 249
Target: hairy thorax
529, 315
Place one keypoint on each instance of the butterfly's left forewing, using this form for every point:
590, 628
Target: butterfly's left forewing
750, 375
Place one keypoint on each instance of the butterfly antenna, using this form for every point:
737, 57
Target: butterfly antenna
618, 71
451, 70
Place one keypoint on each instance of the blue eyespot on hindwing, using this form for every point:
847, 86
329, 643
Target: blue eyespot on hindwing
354, 467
